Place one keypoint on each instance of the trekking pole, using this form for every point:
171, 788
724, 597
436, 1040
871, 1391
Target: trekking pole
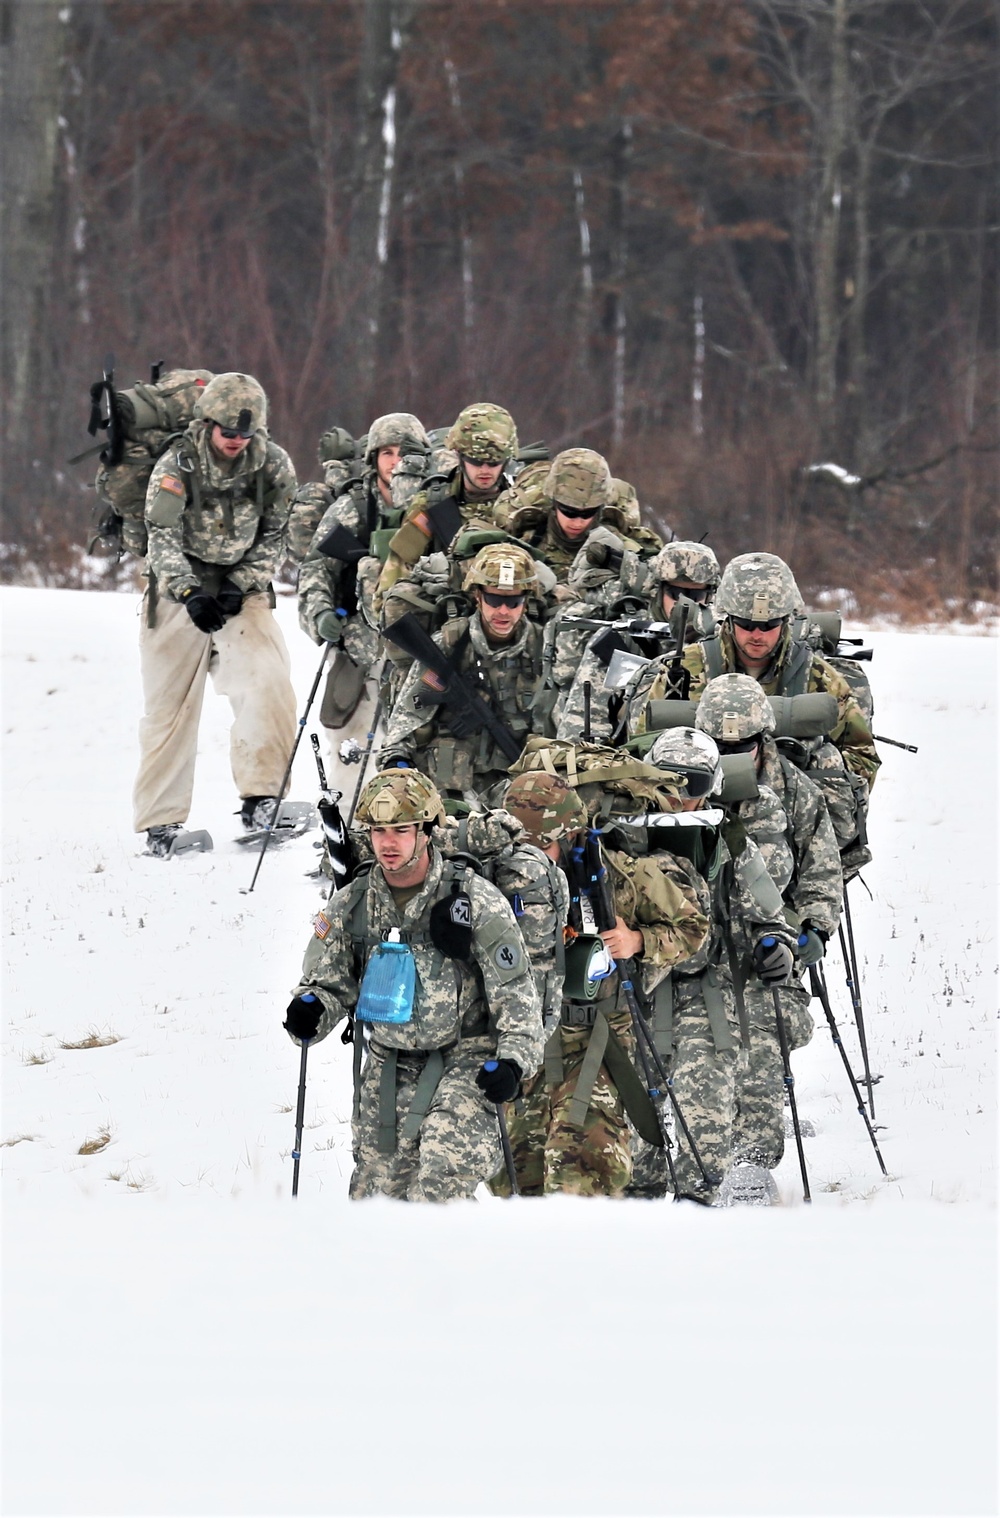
586, 735
789, 1080
654, 1092
854, 988
376, 716
288, 769
818, 987
300, 1112
508, 1153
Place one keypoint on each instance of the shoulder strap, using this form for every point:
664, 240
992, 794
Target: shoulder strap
711, 650
793, 677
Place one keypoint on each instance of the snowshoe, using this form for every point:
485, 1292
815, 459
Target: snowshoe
294, 818
748, 1185
172, 838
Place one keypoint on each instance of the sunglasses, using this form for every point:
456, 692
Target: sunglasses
692, 592
230, 432
492, 599
575, 514
747, 624
746, 746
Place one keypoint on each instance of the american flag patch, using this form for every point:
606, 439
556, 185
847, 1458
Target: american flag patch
421, 521
431, 679
171, 483
321, 924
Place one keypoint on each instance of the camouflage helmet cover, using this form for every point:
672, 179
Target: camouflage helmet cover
233, 400
484, 433
396, 798
504, 567
580, 478
689, 752
686, 561
758, 586
335, 445
397, 429
546, 806
734, 708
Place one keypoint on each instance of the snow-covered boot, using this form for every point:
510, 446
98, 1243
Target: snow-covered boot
172, 838
748, 1185
257, 812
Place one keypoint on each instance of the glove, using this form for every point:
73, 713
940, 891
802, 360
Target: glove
203, 609
229, 598
773, 961
499, 1080
303, 1015
330, 627
811, 945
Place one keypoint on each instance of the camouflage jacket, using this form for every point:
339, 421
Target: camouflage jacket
208, 520
536, 526
489, 999
815, 891
662, 898
767, 824
360, 509
506, 676
416, 535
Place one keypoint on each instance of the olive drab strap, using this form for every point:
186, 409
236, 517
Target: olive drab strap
794, 676
387, 1103
662, 1020
715, 1006
427, 1083
579, 1104
553, 1066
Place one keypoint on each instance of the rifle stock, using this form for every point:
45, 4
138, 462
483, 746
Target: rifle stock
408, 635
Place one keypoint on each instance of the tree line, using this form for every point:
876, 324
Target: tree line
722, 241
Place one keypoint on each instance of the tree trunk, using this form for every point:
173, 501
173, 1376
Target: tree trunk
828, 230
618, 220
469, 368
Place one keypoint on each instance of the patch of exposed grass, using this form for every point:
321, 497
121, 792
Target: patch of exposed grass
40, 1058
100, 1140
93, 1040
19, 1138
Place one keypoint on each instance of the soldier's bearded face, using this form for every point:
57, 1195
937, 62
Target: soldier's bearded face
227, 447
479, 476
385, 462
396, 848
755, 645
499, 622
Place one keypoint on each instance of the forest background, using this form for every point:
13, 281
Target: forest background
721, 241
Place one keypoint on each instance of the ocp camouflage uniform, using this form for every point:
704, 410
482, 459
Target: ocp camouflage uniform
422, 1130
211, 520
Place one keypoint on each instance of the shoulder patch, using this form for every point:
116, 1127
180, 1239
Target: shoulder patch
422, 522
433, 680
322, 925
507, 958
172, 483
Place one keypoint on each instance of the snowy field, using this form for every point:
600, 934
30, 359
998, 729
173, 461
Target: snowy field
182, 1338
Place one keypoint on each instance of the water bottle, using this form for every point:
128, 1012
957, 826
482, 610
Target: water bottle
388, 985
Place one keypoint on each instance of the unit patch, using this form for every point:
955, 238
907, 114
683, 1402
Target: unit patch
507, 957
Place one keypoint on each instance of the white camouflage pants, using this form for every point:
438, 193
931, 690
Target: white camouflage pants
249, 663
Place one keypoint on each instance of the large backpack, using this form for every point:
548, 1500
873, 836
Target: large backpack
152, 416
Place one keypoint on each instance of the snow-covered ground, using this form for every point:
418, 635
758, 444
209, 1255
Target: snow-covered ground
180, 1337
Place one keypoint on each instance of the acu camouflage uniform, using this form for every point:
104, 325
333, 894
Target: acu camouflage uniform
337, 457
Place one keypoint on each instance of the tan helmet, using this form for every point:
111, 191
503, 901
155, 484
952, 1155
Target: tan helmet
395, 798
580, 478
546, 806
397, 429
504, 567
484, 433
734, 708
759, 587
234, 401
686, 561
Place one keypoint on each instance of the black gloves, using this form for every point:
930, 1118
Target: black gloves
772, 960
303, 1015
499, 1080
203, 609
811, 945
229, 598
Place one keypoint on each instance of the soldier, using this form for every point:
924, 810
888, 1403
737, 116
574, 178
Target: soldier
681, 569
699, 1017
485, 439
429, 957
571, 1133
216, 509
498, 652
334, 596
788, 821
336, 455
757, 601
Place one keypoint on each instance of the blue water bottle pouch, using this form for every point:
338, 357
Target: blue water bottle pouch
388, 984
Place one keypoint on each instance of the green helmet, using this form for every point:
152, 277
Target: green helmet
580, 478
686, 561
336, 446
758, 586
692, 755
233, 400
503, 567
484, 433
397, 429
395, 798
546, 806
734, 708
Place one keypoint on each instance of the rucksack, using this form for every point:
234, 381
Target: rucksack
152, 416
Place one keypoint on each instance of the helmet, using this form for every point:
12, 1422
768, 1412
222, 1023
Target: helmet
484, 433
758, 586
733, 708
579, 477
394, 798
233, 400
546, 806
397, 429
504, 567
336, 445
692, 755
686, 561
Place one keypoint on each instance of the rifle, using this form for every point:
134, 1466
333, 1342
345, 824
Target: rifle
362, 758
340, 850
342, 544
911, 748
469, 711
112, 449
446, 519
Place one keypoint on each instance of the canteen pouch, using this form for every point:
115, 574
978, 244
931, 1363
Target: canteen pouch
388, 984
